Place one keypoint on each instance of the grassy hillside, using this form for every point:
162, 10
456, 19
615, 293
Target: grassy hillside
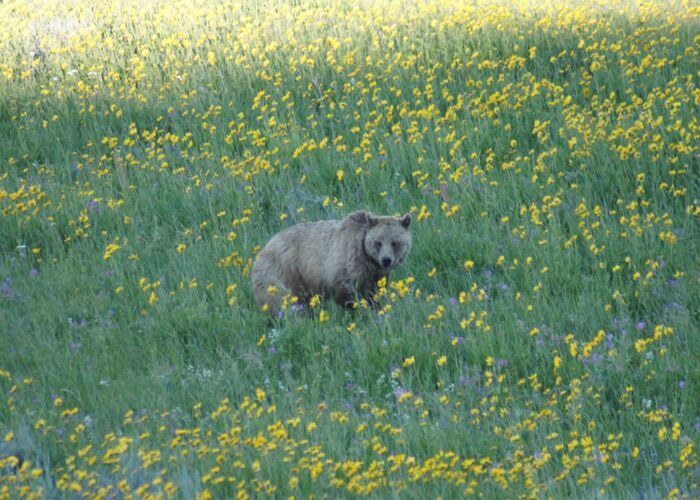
541, 339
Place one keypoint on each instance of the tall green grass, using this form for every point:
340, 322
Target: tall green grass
539, 341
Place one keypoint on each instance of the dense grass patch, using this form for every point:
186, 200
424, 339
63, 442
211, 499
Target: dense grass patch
541, 339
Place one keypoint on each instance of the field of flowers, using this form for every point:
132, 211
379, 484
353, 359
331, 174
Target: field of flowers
542, 338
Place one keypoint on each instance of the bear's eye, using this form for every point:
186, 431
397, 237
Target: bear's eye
377, 245
394, 245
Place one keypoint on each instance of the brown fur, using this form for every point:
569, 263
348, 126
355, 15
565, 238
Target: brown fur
338, 259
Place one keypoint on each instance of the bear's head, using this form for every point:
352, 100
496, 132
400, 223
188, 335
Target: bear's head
387, 240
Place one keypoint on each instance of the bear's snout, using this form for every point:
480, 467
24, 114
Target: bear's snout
386, 262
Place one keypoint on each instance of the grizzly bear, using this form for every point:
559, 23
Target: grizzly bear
338, 259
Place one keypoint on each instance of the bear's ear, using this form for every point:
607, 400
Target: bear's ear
406, 220
362, 217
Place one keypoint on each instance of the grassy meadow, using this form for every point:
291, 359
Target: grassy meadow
541, 340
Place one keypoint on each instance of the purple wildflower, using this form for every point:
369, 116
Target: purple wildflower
6, 289
399, 391
609, 342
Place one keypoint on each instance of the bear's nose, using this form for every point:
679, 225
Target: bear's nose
386, 261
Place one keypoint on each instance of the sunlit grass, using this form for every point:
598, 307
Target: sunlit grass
539, 341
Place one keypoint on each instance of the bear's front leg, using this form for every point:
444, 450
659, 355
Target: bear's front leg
344, 297
343, 292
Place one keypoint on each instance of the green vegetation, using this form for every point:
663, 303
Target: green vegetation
540, 340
